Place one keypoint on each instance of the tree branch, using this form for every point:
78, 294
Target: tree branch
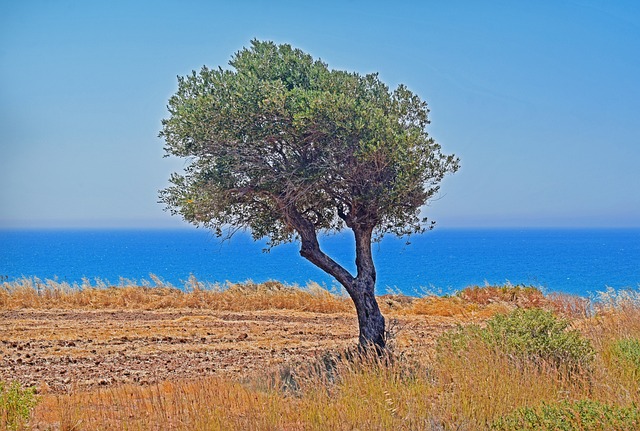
310, 247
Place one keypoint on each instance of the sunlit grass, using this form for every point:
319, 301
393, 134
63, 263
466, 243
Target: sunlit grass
472, 302
469, 389
474, 388
37, 294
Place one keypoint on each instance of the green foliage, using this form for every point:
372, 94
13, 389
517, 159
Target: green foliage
626, 353
527, 335
539, 335
16, 404
629, 350
281, 138
585, 415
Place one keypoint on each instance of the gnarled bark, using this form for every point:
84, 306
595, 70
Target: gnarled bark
370, 319
360, 288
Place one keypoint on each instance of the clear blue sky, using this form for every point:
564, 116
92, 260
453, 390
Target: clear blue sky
539, 99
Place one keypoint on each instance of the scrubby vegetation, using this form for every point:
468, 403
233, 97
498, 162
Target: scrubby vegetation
625, 356
584, 415
525, 336
519, 360
16, 404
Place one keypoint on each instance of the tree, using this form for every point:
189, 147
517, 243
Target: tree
288, 149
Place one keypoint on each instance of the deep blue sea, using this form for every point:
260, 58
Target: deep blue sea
442, 261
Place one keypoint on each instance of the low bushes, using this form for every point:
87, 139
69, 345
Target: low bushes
539, 336
16, 404
623, 359
533, 335
583, 415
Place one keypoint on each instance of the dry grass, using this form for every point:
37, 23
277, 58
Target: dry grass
468, 391
522, 296
36, 294
448, 389
211, 404
479, 386
471, 302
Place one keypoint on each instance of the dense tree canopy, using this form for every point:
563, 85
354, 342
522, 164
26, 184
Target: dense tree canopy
287, 148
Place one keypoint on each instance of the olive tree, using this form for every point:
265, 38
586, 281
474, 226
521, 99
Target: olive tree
283, 146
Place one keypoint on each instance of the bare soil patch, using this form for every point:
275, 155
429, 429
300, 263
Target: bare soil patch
67, 350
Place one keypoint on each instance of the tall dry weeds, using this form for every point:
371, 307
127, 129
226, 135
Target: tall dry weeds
37, 294
473, 302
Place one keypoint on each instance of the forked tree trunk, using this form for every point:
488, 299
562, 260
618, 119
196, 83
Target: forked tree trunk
360, 288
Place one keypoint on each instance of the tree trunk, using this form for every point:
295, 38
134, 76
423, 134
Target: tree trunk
361, 288
362, 292
370, 319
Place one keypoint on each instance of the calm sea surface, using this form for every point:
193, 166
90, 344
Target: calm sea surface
442, 261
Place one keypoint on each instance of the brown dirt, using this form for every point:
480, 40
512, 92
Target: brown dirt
63, 350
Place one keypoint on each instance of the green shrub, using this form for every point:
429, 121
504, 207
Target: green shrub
16, 404
539, 335
585, 415
528, 335
626, 355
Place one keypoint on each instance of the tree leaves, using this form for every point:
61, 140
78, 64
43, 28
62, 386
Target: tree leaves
280, 131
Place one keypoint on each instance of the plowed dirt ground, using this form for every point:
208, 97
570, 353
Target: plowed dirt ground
67, 350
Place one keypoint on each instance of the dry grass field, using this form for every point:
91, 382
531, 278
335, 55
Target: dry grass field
272, 357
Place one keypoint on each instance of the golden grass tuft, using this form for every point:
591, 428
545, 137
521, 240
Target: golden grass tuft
441, 306
274, 295
484, 302
521, 296
569, 305
479, 385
